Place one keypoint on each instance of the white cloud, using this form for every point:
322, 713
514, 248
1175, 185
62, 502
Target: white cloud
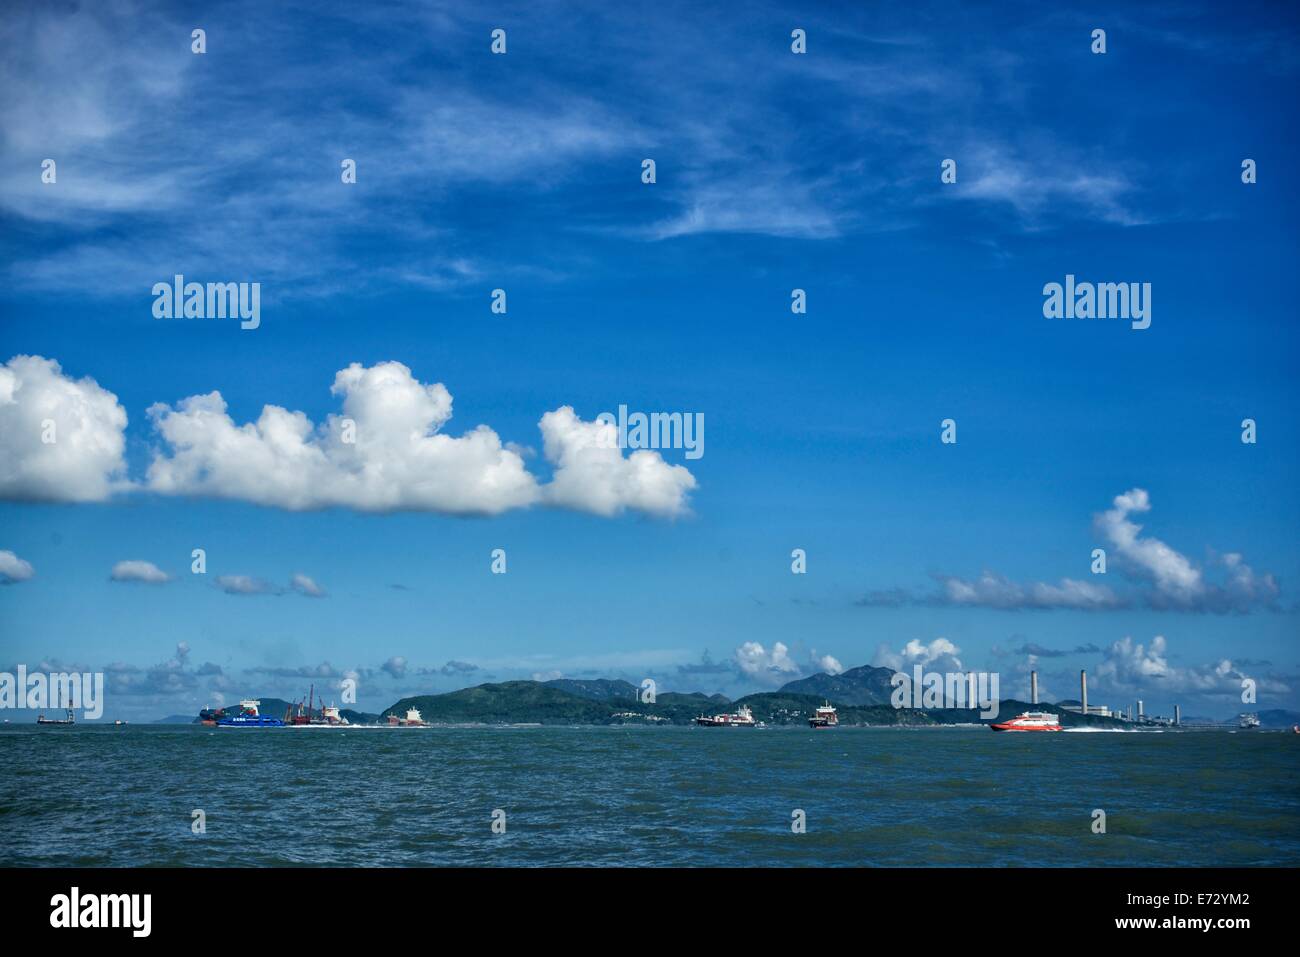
139, 571
1171, 571
770, 667
1158, 577
399, 459
305, 585
61, 440
395, 666
938, 655
1130, 667
245, 585
828, 664
13, 569
991, 590
386, 452
1178, 582
592, 474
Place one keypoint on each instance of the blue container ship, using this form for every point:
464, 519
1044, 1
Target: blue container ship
248, 717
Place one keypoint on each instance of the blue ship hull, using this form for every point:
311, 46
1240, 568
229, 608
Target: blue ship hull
250, 721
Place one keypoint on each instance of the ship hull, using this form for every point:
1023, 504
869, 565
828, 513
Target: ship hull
260, 722
1011, 727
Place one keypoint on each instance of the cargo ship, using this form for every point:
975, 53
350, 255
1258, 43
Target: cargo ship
1030, 721
248, 717
1246, 722
741, 718
41, 719
824, 717
412, 720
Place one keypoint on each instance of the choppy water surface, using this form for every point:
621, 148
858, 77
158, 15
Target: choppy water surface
645, 796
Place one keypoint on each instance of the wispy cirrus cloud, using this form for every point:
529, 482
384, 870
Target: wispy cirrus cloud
741, 128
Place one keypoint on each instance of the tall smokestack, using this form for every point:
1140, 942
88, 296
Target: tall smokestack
1178, 715
1139, 708
1033, 687
1083, 691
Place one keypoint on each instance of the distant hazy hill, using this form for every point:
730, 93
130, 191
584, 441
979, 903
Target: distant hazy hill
1277, 718
864, 685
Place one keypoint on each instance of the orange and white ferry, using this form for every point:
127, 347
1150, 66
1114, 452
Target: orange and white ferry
1030, 721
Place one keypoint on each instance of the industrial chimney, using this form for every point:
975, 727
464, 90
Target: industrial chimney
1139, 709
1178, 716
1033, 687
1083, 692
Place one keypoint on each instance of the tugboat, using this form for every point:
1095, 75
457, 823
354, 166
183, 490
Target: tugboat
248, 717
1030, 721
41, 719
825, 717
741, 718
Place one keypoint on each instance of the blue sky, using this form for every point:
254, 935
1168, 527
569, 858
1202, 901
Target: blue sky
775, 171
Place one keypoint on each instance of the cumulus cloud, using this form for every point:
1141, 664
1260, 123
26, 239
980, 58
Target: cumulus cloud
770, 667
1156, 576
827, 663
1172, 572
592, 474
139, 571
171, 677
387, 452
13, 569
455, 667
245, 585
304, 585
1177, 582
395, 666
937, 655
61, 439
1131, 667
